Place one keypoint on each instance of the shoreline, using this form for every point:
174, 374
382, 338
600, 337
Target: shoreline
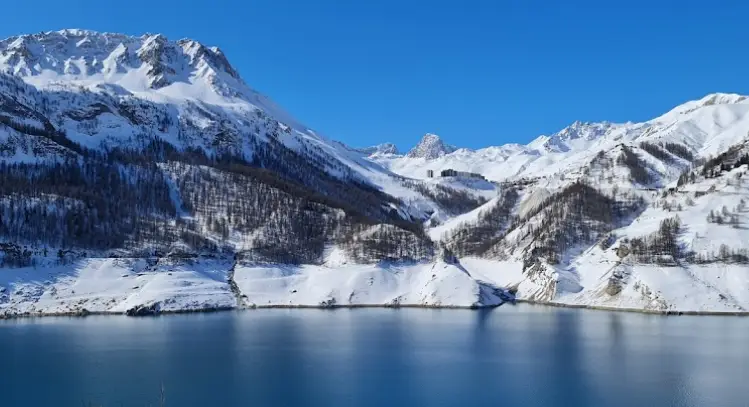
636, 310
85, 313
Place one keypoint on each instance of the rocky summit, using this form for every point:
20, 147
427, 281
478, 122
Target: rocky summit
142, 173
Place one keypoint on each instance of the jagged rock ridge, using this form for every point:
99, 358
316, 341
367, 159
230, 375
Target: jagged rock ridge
430, 147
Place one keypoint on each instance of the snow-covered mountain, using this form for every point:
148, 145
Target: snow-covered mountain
100, 97
380, 149
111, 91
114, 90
430, 147
574, 203
140, 173
706, 126
146, 148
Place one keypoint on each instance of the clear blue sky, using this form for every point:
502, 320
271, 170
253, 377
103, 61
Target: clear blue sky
476, 72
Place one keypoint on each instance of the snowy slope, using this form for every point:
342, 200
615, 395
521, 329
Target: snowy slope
633, 165
380, 149
104, 90
431, 284
584, 216
704, 268
118, 285
115, 285
706, 126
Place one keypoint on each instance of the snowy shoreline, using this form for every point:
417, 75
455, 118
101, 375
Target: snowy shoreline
109, 286
555, 304
259, 307
110, 150
409, 306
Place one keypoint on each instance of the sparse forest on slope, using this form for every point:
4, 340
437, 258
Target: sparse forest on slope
142, 158
89, 168
476, 237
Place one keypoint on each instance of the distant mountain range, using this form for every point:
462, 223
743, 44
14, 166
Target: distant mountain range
139, 158
706, 127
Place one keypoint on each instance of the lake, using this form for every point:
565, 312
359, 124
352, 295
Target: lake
510, 356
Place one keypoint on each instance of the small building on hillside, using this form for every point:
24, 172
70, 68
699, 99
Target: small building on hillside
465, 174
430, 173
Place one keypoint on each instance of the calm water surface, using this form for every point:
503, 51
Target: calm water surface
510, 356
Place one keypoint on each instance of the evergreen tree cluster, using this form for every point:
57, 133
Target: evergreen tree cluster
636, 166
277, 223
679, 150
223, 142
226, 190
726, 216
577, 215
657, 152
90, 204
601, 161
475, 238
725, 254
452, 201
12, 255
731, 159
383, 242
687, 176
142, 201
660, 247
48, 131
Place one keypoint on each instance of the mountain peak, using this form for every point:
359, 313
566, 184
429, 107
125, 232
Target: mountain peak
82, 54
580, 129
577, 132
721, 99
430, 147
712, 99
380, 149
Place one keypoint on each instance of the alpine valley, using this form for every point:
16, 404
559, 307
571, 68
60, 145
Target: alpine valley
140, 175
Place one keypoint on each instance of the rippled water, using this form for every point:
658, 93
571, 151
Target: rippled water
512, 356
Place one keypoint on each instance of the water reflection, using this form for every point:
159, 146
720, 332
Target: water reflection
529, 356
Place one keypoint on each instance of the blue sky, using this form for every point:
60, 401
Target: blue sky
476, 72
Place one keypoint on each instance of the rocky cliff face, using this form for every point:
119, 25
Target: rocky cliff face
430, 147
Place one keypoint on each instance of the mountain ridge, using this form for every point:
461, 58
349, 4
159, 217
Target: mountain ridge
93, 97
155, 157
578, 142
430, 147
